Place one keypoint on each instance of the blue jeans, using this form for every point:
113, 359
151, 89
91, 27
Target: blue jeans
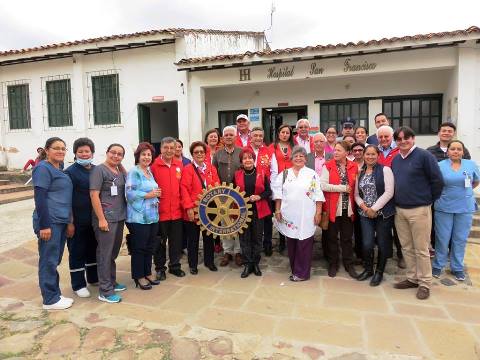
50, 256
452, 228
380, 227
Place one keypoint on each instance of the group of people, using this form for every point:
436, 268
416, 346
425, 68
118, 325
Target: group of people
362, 192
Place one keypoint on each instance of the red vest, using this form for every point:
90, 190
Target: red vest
239, 143
310, 138
387, 161
332, 198
264, 159
263, 208
283, 160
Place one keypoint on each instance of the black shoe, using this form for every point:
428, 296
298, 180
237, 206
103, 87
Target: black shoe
332, 270
141, 286
177, 272
268, 251
153, 282
161, 275
246, 271
376, 279
193, 271
365, 275
256, 270
352, 272
212, 267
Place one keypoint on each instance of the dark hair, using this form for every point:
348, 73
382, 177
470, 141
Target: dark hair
277, 139
381, 114
331, 127
115, 144
361, 127
456, 141
347, 136
83, 142
210, 132
358, 144
370, 146
344, 144
179, 141
51, 140
247, 150
143, 146
194, 144
447, 124
407, 133
39, 148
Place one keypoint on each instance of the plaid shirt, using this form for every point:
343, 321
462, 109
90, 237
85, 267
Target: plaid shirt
139, 209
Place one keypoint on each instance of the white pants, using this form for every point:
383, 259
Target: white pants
231, 245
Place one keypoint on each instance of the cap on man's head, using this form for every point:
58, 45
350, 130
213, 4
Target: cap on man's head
242, 116
348, 124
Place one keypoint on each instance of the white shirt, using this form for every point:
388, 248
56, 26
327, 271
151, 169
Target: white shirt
299, 195
304, 143
409, 152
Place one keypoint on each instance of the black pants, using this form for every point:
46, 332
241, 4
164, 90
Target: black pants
268, 228
325, 244
193, 235
251, 241
171, 230
357, 230
142, 239
343, 225
82, 258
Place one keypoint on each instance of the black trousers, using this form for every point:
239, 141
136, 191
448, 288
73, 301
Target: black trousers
142, 239
268, 227
343, 225
171, 230
357, 231
82, 258
193, 236
251, 241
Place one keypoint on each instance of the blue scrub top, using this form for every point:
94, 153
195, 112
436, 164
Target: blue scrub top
456, 198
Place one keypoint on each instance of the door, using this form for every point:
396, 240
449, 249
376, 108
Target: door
272, 118
144, 127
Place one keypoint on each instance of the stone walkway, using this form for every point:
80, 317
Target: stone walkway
221, 316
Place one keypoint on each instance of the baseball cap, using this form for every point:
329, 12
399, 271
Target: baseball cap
348, 124
242, 116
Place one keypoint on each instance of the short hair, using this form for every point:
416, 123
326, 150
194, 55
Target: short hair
257, 128
194, 144
247, 150
298, 149
447, 124
344, 144
407, 133
456, 141
319, 133
167, 140
210, 132
302, 120
381, 114
83, 141
385, 127
143, 146
358, 144
229, 127
179, 141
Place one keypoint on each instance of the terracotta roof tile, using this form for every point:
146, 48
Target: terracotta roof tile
298, 50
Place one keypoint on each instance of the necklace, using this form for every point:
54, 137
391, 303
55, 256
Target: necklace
249, 172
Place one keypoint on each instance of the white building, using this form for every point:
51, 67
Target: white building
179, 82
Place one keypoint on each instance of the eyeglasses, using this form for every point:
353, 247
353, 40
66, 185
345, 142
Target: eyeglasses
114, 153
199, 152
357, 150
64, 149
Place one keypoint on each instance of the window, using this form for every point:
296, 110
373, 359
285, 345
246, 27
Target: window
421, 113
18, 107
335, 113
229, 117
106, 100
59, 103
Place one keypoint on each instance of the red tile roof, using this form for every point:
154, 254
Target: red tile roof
299, 50
170, 31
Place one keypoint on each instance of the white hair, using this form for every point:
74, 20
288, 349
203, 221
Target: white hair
385, 127
229, 127
302, 120
319, 133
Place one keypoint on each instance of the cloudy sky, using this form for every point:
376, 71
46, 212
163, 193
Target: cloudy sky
26, 23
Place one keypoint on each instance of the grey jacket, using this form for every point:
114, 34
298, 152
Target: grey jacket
311, 159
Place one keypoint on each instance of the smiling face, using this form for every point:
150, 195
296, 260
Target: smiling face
331, 135
381, 120
319, 143
247, 161
257, 138
349, 139
405, 144
229, 137
385, 138
455, 151
145, 158
302, 129
446, 134
212, 139
242, 125
299, 160
198, 154
178, 149
371, 156
357, 152
84, 152
168, 150
115, 156
361, 135
56, 152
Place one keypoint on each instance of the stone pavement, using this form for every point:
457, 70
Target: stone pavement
221, 316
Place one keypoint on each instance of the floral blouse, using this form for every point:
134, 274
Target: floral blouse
343, 181
369, 190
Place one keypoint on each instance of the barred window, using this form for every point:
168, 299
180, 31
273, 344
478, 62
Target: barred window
333, 114
106, 99
421, 113
19, 107
59, 103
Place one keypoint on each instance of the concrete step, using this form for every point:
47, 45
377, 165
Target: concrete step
12, 188
476, 220
15, 176
475, 232
4, 182
15, 196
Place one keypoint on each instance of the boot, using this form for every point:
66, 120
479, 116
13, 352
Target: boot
256, 270
351, 271
368, 266
378, 277
246, 271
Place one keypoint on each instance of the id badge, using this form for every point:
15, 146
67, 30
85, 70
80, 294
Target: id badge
468, 183
113, 190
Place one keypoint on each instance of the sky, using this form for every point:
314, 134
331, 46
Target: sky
28, 23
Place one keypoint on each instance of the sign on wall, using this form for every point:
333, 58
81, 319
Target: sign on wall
254, 114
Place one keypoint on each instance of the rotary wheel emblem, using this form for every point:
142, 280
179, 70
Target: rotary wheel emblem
222, 210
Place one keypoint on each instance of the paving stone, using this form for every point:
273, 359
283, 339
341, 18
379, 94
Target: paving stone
205, 278
16, 270
350, 356
185, 349
461, 296
4, 281
355, 302
61, 339
293, 295
230, 300
391, 334
464, 313
99, 338
282, 345
24, 325
419, 310
126, 354
153, 315
269, 307
312, 352
161, 336
158, 295
220, 346
93, 318
320, 332
20, 253
182, 300
137, 338
350, 286
279, 356
152, 353
25, 290
447, 339
327, 314
17, 343
233, 282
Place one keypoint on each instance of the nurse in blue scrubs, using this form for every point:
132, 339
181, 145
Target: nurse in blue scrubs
454, 210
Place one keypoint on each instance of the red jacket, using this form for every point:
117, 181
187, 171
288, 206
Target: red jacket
191, 187
264, 159
310, 138
168, 179
238, 141
263, 209
283, 161
387, 161
332, 198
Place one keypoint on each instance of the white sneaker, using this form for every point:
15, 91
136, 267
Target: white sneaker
67, 299
83, 293
61, 304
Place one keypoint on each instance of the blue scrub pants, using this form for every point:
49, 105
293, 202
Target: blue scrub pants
454, 228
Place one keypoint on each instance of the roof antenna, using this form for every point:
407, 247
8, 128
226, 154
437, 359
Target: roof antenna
272, 10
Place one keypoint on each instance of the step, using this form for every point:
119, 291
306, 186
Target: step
475, 232
4, 182
15, 176
12, 188
476, 220
15, 196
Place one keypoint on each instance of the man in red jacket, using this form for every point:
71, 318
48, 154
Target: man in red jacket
386, 145
243, 131
167, 173
303, 138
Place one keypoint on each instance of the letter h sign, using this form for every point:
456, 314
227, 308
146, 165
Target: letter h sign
244, 74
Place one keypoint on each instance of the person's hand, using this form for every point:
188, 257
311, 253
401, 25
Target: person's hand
153, 194
45, 234
103, 225
348, 189
371, 213
278, 215
191, 214
254, 198
318, 218
70, 230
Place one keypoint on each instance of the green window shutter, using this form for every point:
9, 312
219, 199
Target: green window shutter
19, 107
106, 101
59, 103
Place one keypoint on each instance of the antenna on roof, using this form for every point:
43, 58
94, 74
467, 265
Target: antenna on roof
272, 10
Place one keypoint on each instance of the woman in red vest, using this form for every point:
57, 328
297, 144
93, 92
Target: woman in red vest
196, 177
338, 184
256, 186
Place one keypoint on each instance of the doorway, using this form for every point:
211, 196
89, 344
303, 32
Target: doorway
272, 118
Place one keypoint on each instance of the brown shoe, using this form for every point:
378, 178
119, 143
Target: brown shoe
238, 259
423, 293
226, 259
405, 284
